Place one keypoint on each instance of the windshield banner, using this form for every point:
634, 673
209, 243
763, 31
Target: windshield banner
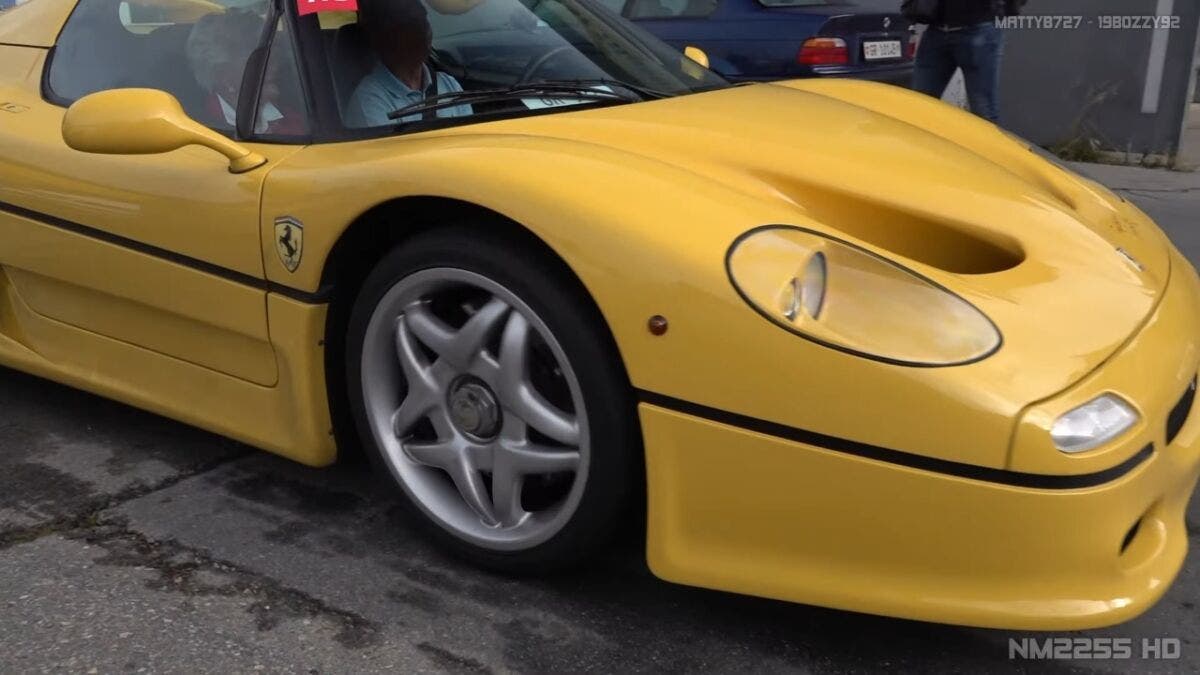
314, 6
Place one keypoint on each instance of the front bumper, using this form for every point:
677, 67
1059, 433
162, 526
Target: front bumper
759, 513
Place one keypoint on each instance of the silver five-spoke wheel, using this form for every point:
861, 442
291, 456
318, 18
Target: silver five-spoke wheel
475, 408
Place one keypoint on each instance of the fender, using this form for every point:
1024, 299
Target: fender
606, 212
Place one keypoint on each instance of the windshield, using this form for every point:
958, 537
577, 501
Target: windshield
382, 61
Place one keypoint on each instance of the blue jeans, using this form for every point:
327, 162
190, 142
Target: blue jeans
978, 50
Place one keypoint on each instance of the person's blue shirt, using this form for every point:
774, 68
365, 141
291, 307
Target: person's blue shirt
381, 93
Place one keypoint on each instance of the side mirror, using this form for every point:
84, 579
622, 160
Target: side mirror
144, 122
696, 54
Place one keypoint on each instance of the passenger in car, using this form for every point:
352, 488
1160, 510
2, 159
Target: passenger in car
218, 50
402, 38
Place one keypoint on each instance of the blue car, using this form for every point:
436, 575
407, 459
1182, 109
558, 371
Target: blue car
756, 40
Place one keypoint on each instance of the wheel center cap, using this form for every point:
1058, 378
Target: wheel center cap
474, 409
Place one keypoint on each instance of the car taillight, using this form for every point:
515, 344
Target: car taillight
823, 51
914, 41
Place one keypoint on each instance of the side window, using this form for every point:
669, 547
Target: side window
196, 51
671, 9
281, 110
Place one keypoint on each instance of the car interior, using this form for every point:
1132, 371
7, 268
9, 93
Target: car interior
131, 45
110, 44
114, 54
350, 58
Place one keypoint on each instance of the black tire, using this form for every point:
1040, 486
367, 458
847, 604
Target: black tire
614, 483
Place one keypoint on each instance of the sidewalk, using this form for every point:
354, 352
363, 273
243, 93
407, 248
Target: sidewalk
1137, 179
1172, 198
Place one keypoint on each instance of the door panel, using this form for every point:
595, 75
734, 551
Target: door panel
157, 251
217, 341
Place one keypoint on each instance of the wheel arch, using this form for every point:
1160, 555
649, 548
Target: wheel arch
379, 230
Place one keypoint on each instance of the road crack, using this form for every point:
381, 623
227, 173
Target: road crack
189, 571
194, 573
89, 513
1156, 191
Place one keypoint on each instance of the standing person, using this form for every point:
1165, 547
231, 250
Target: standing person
964, 34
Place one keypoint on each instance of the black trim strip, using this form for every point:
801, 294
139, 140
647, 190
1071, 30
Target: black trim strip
1181, 412
321, 296
898, 457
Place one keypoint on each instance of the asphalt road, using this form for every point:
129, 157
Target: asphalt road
129, 543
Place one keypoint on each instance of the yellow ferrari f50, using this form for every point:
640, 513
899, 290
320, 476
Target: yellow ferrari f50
837, 343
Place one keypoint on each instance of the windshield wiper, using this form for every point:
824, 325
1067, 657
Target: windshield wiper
645, 92
566, 90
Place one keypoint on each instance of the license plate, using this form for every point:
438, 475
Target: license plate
879, 50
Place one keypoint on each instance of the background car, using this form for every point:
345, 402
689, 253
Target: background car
757, 40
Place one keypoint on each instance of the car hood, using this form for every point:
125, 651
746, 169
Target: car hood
1067, 270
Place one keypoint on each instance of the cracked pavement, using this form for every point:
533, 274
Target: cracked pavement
130, 543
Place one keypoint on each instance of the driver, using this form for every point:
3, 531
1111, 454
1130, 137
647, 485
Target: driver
402, 38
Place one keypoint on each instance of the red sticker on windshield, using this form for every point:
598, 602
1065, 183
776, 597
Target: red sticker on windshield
314, 6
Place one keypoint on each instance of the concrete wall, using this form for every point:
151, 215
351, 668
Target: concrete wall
1059, 84
1091, 82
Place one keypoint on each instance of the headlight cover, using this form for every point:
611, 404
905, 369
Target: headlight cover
850, 299
1093, 424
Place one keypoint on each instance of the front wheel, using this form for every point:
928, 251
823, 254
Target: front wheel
482, 379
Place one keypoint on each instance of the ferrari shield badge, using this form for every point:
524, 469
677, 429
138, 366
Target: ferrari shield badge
289, 242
